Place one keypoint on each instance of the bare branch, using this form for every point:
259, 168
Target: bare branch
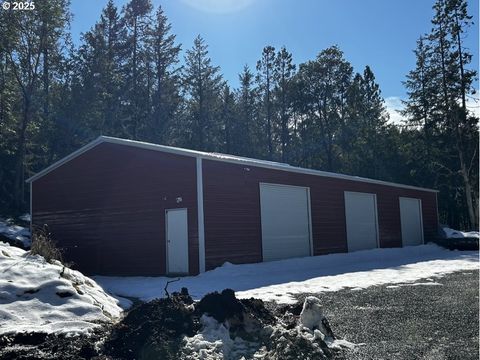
472, 162
166, 286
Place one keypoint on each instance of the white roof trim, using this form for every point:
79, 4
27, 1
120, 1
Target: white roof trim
218, 157
66, 159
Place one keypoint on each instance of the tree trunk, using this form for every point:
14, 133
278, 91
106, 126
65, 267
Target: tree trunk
269, 118
468, 186
134, 83
19, 159
463, 117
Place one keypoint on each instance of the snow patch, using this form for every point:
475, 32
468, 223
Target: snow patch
280, 281
457, 234
311, 335
38, 296
15, 232
311, 316
314, 322
25, 217
415, 284
340, 344
214, 342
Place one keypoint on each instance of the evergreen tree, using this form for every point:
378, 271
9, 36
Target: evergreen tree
124, 80
422, 84
325, 83
166, 97
31, 48
113, 33
373, 119
265, 83
438, 89
202, 86
248, 131
230, 125
283, 72
137, 67
99, 75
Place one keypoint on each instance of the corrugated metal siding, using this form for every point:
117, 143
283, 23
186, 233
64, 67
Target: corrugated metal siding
232, 211
106, 208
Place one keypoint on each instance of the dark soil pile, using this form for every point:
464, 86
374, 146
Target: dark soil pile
50, 346
157, 330
154, 330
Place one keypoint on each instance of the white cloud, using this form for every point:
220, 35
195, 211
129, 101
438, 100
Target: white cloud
393, 104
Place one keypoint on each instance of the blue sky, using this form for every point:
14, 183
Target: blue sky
379, 33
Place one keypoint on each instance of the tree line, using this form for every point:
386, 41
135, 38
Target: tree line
130, 78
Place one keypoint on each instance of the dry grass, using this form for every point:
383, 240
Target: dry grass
44, 245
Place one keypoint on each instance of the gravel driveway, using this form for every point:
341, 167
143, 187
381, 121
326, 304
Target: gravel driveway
436, 321
409, 322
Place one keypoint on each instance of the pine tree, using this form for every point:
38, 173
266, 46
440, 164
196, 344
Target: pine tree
438, 89
30, 45
230, 125
247, 129
374, 119
422, 85
137, 69
283, 74
324, 83
265, 83
9, 93
202, 85
99, 75
113, 32
166, 97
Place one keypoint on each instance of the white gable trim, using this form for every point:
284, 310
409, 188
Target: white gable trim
218, 157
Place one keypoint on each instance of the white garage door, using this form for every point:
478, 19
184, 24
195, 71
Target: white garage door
361, 217
411, 219
285, 221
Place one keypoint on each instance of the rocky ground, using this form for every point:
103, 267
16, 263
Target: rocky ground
403, 322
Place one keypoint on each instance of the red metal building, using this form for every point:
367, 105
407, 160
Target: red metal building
122, 207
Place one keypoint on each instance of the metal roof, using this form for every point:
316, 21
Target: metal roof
216, 157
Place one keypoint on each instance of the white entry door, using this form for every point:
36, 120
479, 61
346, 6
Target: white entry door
361, 218
411, 220
177, 241
285, 217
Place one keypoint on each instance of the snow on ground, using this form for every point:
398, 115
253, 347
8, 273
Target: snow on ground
457, 234
280, 280
15, 232
36, 296
214, 342
25, 217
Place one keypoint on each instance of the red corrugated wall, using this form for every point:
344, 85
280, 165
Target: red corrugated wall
232, 211
106, 208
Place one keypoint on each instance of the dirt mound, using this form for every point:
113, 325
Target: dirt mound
30, 346
221, 306
154, 330
219, 326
